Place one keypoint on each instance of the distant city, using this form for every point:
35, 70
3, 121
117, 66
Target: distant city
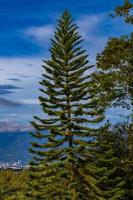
13, 165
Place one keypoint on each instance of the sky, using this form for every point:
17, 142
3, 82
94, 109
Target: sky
26, 27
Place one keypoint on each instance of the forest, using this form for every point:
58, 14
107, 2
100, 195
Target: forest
76, 153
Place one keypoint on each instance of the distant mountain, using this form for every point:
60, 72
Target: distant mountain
14, 146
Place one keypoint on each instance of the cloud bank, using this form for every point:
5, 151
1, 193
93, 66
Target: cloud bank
9, 103
12, 126
8, 89
41, 33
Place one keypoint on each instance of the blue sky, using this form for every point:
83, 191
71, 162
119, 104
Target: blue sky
26, 29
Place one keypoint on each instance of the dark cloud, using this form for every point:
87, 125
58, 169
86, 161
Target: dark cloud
4, 92
9, 103
15, 79
8, 89
29, 65
26, 76
23, 75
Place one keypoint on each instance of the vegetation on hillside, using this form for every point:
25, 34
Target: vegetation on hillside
13, 184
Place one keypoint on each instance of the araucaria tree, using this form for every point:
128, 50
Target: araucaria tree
61, 167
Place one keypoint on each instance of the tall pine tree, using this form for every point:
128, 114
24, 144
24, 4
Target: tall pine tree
61, 167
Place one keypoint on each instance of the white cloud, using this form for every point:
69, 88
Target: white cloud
19, 67
41, 33
30, 101
89, 24
29, 71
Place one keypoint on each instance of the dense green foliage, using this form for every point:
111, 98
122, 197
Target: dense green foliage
125, 11
115, 159
115, 65
114, 78
12, 184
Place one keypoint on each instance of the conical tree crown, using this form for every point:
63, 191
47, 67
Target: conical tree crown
71, 105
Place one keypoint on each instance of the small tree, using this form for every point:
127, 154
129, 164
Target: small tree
110, 154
